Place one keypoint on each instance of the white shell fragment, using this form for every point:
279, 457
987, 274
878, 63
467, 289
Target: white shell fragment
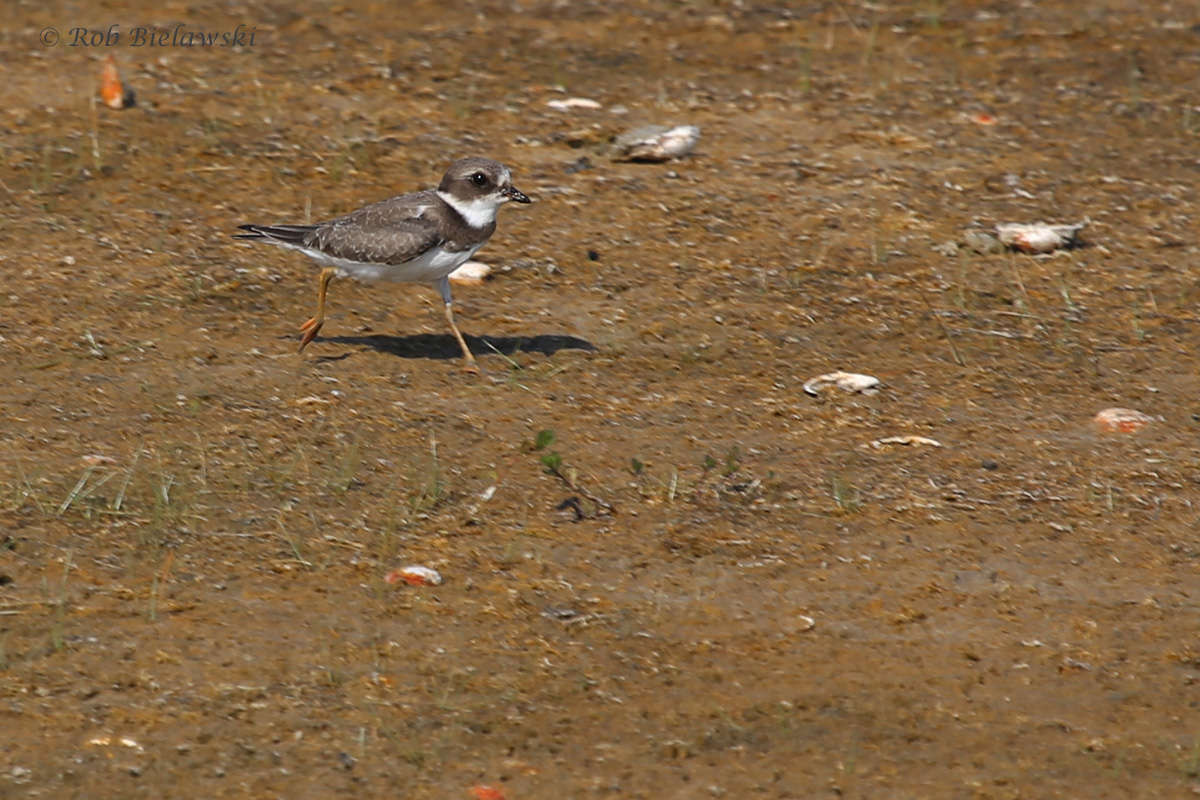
846, 381
906, 440
1121, 420
574, 102
415, 576
1039, 237
656, 143
109, 741
472, 273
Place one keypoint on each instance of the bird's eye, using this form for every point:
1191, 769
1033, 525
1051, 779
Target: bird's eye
479, 179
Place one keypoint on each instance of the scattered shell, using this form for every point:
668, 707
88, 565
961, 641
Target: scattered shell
1039, 237
656, 143
846, 381
472, 273
907, 440
311, 400
415, 576
806, 623
96, 461
573, 103
1121, 420
107, 741
112, 92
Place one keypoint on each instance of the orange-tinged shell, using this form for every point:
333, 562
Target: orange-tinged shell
415, 576
1121, 420
483, 792
112, 92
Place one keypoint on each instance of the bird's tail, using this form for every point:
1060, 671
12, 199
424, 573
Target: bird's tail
294, 235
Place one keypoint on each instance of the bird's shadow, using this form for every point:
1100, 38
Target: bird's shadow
444, 347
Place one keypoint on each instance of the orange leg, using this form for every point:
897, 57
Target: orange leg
470, 365
443, 287
311, 327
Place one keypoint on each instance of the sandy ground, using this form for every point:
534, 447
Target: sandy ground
668, 571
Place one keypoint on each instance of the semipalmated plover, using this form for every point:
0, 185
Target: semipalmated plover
419, 237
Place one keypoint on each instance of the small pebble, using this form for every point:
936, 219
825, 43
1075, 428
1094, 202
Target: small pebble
846, 381
982, 242
906, 440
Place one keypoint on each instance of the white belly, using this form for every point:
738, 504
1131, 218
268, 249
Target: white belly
429, 267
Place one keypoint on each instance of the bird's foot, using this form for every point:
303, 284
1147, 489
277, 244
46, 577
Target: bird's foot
310, 329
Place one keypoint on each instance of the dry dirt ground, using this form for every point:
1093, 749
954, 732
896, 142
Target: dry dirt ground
702, 582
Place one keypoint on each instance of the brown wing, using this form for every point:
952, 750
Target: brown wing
389, 232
